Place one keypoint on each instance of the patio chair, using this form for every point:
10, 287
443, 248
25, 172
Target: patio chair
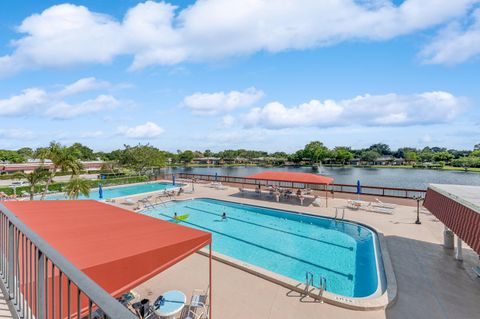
382, 210
379, 203
198, 304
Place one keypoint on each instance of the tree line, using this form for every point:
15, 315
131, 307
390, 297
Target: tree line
142, 156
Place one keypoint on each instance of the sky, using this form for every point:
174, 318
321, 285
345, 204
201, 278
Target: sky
269, 75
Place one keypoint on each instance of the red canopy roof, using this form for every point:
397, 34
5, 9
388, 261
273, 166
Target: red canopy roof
457, 206
116, 248
304, 178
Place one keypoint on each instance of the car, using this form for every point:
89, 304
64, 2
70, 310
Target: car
19, 184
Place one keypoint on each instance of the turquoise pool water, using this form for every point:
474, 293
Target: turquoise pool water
119, 191
288, 243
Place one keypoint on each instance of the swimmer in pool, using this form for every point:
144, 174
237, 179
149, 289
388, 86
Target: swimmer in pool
175, 216
224, 216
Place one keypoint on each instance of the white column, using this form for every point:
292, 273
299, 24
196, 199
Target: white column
458, 251
448, 238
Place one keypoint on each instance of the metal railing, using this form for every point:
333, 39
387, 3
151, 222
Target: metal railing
341, 188
42, 284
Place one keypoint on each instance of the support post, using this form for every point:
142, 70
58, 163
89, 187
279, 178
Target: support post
458, 251
40, 286
11, 258
210, 281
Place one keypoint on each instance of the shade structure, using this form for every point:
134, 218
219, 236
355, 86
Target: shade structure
458, 207
116, 248
295, 177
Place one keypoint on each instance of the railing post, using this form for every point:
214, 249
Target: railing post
11, 258
40, 285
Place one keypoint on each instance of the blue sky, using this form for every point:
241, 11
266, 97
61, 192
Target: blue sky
255, 74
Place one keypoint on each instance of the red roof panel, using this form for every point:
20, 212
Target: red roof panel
305, 178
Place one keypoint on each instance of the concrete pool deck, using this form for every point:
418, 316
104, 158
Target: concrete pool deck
431, 284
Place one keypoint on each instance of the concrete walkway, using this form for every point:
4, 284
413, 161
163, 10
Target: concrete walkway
431, 284
4, 309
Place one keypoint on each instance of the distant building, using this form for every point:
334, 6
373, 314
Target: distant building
388, 160
32, 165
206, 160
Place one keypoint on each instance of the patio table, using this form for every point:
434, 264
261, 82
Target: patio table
174, 302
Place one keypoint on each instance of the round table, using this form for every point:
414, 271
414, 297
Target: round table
174, 302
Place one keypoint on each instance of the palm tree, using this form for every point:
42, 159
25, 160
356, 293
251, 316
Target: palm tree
77, 186
34, 178
62, 158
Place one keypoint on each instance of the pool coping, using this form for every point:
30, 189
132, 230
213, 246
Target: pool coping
385, 300
125, 185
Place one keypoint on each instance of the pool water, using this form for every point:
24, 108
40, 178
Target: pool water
288, 243
120, 191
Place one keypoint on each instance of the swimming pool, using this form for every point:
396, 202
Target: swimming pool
120, 191
290, 244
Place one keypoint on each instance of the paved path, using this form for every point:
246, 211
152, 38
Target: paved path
4, 310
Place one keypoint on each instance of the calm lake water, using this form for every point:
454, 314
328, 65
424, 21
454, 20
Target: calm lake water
390, 177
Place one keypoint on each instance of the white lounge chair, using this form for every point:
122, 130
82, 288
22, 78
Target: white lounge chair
198, 305
379, 203
382, 210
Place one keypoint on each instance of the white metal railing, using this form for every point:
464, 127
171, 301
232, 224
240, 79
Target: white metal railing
41, 283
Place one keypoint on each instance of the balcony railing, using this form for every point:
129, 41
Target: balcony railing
341, 188
42, 284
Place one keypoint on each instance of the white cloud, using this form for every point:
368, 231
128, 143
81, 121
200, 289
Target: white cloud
36, 101
454, 44
91, 134
83, 85
368, 110
63, 110
228, 121
16, 134
157, 33
147, 130
221, 102
23, 104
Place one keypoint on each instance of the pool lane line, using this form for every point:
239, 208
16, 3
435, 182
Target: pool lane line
274, 229
349, 276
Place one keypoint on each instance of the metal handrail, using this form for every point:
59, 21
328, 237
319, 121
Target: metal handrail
97, 295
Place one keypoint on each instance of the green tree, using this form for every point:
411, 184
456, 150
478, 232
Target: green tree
140, 157
34, 178
62, 159
77, 186
342, 154
382, 149
316, 151
26, 152
186, 156
475, 153
442, 156
82, 152
369, 156
410, 156
11, 156
426, 155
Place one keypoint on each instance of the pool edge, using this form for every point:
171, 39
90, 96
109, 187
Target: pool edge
384, 301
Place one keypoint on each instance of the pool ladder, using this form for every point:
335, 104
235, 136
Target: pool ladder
337, 210
309, 282
322, 287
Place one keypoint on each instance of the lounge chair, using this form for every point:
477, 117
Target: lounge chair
379, 203
198, 305
382, 210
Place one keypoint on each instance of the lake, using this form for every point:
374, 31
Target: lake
389, 177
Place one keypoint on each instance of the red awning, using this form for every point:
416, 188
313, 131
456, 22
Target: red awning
451, 205
116, 248
304, 178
